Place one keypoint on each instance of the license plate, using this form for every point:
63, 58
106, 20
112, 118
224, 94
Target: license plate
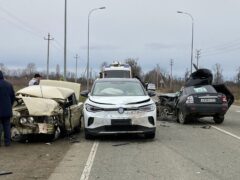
208, 100
121, 122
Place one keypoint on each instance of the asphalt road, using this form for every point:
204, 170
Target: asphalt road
200, 150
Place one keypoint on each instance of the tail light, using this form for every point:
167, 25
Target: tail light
224, 99
190, 100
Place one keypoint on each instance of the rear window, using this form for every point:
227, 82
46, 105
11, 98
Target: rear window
117, 74
200, 89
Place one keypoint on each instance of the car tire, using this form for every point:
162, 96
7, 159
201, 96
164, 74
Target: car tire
56, 135
181, 117
163, 113
88, 136
218, 119
150, 135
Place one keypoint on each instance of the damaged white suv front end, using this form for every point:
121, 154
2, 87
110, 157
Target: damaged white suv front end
119, 106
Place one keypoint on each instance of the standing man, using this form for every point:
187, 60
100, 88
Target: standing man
35, 80
7, 97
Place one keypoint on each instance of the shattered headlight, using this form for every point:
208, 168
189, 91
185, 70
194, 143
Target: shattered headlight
91, 108
147, 108
23, 120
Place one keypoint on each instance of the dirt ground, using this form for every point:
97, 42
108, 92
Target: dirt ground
32, 160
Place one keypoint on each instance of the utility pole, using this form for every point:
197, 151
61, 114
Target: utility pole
171, 64
76, 57
65, 42
198, 55
48, 39
157, 84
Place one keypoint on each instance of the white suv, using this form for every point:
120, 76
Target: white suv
117, 106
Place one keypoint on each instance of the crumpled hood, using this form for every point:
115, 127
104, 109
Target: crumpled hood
123, 100
41, 107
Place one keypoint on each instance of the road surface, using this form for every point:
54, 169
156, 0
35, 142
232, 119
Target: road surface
200, 150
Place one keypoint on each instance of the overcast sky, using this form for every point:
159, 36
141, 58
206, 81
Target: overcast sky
150, 30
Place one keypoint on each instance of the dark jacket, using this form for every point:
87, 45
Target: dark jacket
7, 97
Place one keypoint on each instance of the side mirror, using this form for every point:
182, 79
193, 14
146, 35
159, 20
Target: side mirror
84, 93
151, 93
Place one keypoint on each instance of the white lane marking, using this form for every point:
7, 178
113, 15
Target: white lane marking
238, 111
226, 132
88, 166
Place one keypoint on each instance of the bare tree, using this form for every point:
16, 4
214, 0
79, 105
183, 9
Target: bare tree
57, 71
218, 76
2, 67
186, 75
30, 69
136, 69
103, 64
238, 76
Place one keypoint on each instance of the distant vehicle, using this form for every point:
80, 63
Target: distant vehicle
51, 109
116, 70
199, 98
151, 87
119, 106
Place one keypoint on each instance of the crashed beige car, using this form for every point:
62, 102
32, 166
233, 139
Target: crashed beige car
51, 108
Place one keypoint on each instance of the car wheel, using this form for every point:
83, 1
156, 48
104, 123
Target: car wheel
56, 134
150, 135
88, 136
218, 119
182, 118
163, 113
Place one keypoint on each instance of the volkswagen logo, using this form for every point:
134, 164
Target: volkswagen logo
121, 110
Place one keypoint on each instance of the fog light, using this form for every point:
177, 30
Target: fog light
90, 121
151, 120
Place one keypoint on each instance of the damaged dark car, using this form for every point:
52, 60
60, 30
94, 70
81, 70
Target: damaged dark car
198, 98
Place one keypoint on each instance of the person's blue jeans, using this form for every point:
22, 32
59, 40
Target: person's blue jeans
7, 130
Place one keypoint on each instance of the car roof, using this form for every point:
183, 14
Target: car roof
117, 79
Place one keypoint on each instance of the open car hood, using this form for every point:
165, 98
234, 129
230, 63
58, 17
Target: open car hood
200, 77
63, 84
41, 107
49, 92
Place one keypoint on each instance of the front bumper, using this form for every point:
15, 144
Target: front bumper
205, 109
129, 129
106, 118
38, 128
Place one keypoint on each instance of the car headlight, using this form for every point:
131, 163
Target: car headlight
30, 119
23, 120
147, 108
91, 108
